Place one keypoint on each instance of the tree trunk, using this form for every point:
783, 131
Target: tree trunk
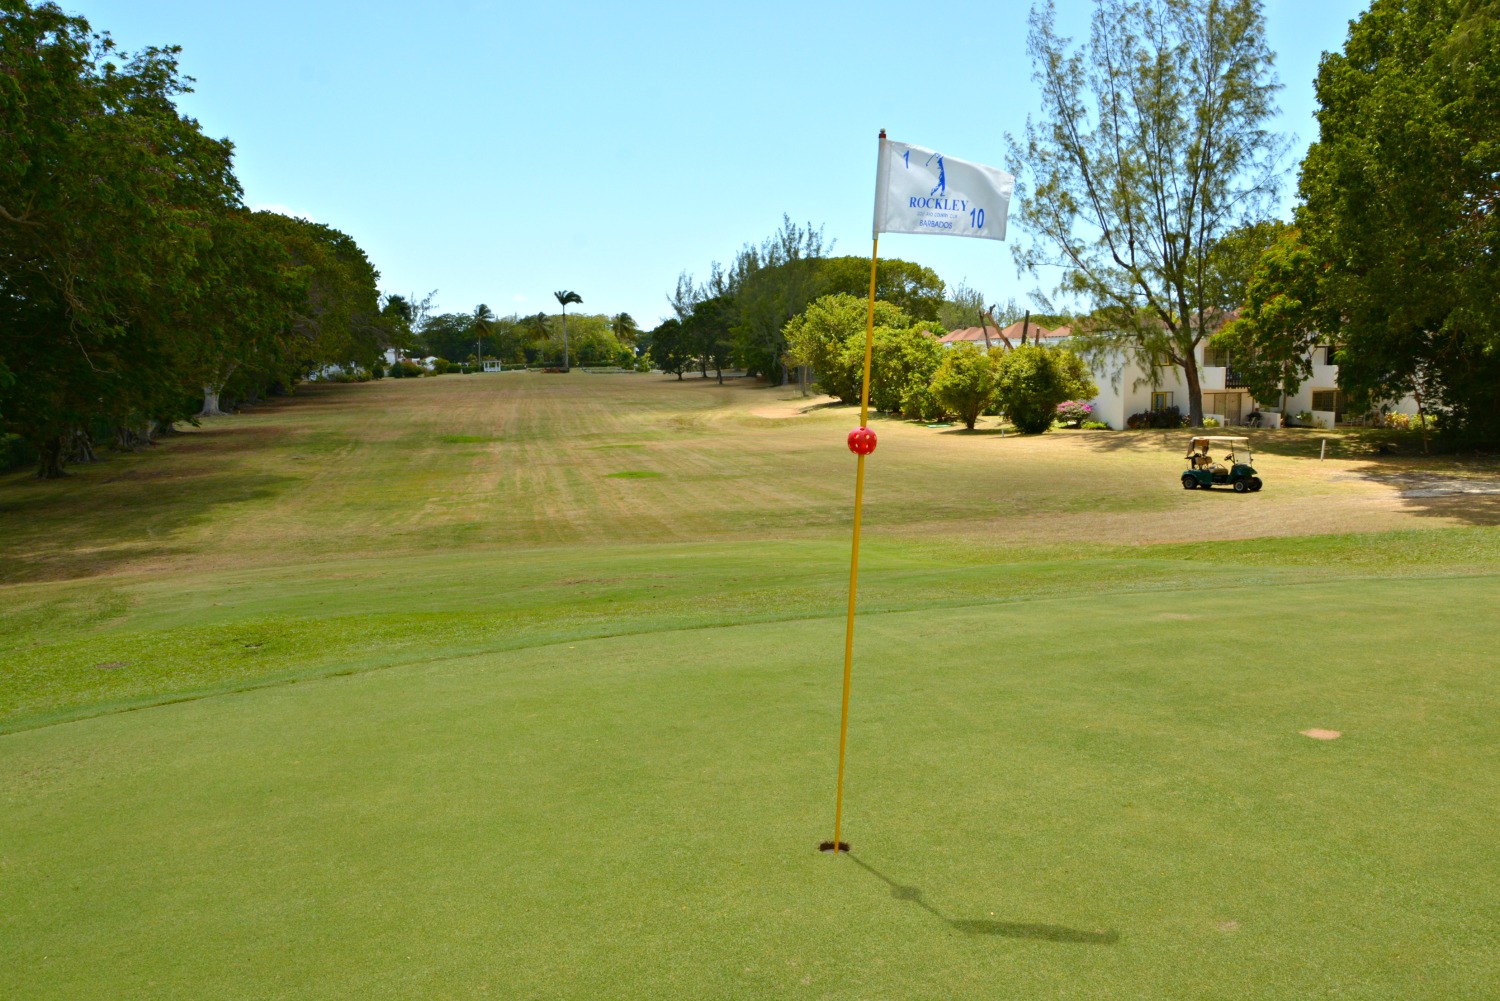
1195, 390
49, 464
82, 448
210, 402
1421, 416
566, 364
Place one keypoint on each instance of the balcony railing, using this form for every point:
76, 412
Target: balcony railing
1232, 378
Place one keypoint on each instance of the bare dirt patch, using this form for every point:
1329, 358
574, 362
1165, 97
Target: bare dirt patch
1317, 734
796, 407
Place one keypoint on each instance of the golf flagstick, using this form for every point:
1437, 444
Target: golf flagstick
862, 442
918, 191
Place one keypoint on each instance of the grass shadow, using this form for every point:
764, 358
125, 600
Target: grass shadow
123, 509
1479, 510
983, 926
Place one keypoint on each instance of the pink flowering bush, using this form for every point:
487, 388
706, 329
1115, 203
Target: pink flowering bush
1074, 411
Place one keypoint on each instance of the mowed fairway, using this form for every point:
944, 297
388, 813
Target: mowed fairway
527, 686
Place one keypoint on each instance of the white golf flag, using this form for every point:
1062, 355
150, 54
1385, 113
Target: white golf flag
919, 190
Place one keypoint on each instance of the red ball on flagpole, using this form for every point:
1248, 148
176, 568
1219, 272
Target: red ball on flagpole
861, 441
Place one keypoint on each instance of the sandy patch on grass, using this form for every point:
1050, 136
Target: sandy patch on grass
1317, 734
796, 407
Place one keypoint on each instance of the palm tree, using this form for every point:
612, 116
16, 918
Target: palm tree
484, 319
563, 299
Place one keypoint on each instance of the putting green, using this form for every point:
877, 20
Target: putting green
528, 688
1101, 798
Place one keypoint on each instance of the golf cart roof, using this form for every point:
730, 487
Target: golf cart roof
1217, 440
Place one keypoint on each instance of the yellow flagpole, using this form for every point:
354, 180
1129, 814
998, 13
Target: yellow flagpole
859, 500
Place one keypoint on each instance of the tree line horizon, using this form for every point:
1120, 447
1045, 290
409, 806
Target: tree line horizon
138, 291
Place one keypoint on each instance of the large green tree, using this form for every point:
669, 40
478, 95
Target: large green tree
1271, 342
669, 349
708, 328
1401, 208
913, 288
135, 288
1152, 146
108, 202
829, 338
339, 321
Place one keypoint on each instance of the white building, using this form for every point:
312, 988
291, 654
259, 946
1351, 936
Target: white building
1124, 389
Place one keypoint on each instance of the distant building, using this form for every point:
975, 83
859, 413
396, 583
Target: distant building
1125, 389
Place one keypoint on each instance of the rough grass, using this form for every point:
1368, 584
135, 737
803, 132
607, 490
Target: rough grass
557, 735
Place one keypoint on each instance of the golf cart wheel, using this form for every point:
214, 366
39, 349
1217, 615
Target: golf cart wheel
1255, 483
1189, 483
1240, 487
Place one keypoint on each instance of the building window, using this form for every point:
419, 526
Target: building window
1230, 406
1215, 356
1161, 401
1327, 399
1327, 351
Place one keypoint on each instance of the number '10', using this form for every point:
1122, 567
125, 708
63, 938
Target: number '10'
976, 218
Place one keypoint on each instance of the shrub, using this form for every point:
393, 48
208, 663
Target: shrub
1167, 417
965, 382
1032, 382
1074, 411
1094, 426
1210, 422
377, 371
901, 370
405, 369
441, 366
1407, 422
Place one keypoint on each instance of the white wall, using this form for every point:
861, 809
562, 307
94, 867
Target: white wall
1119, 397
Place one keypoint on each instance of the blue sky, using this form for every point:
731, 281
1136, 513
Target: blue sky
498, 151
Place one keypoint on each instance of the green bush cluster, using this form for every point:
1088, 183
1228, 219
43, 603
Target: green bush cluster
406, 369
913, 375
357, 375
829, 337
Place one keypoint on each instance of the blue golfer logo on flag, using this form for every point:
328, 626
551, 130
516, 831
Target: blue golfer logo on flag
942, 184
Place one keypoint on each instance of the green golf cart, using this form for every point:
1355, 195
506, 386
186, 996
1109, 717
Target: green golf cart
1235, 471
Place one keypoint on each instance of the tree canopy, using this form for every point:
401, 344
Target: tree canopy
132, 278
1401, 208
1151, 148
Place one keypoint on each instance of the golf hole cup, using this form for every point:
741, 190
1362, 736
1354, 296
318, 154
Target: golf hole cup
861, 441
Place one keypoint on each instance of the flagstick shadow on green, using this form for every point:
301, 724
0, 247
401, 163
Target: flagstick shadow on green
1004, 929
